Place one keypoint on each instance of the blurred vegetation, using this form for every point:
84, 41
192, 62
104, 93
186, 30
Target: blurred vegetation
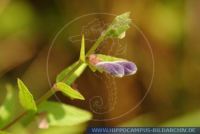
27, 28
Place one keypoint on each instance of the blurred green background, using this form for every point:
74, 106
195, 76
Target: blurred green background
27, 28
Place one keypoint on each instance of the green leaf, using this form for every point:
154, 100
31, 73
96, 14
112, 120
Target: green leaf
82, 51
25, 97
68, 91
67, 76
59, 114
7, 110
119, 26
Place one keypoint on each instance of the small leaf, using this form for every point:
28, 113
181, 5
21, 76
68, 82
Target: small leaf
68, 91
7, 109
69, 79
59, 114
25, 97
119, 26
82, 51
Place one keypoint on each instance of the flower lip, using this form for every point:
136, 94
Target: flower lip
129, 67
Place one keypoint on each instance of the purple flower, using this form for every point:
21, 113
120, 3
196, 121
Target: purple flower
117, 68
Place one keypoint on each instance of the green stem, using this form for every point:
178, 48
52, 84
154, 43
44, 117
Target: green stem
96, 44
47, 95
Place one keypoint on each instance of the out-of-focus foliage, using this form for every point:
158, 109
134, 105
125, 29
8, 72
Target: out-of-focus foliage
64, 115
17, 17
3, 132
167, 22
77, 129
188, 120
142, 120
7, 109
